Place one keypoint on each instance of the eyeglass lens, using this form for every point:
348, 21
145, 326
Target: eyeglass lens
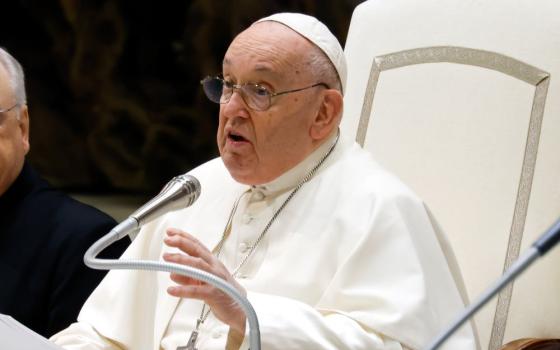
219, 91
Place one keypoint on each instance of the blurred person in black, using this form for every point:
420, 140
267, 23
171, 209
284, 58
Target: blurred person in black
43, 232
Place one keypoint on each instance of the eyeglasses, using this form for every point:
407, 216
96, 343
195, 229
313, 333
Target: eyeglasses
256, 96
8, 109
5, 110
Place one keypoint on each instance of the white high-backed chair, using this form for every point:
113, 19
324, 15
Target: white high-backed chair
461, 99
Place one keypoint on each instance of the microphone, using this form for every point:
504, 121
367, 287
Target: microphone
549, 239
180, 192
540, 247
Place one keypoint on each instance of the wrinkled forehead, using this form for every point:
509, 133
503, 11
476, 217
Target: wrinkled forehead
269, 48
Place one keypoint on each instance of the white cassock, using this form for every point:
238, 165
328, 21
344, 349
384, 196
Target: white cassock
352, 262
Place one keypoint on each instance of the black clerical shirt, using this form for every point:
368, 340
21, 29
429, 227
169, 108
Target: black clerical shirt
43, 237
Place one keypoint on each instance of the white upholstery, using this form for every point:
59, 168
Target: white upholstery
457, 134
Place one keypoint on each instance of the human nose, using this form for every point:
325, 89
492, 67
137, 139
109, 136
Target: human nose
236, 104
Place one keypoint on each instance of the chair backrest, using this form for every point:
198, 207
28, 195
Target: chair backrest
461, 99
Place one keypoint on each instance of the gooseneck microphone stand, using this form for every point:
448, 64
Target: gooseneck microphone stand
538, 249
176, 191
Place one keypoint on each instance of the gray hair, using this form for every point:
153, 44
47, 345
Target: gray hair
323, 69
16, 76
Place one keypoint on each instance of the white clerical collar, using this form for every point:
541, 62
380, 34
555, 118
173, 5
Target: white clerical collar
295, 175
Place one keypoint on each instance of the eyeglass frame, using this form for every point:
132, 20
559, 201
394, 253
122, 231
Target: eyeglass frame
5, 110
270, 94
9, 109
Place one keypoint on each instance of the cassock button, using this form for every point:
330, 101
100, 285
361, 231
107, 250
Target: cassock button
244, 247
247, 218
258, 195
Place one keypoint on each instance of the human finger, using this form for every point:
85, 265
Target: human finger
184, 280
187, 244
182, 259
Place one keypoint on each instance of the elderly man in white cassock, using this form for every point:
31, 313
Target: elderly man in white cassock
331, 250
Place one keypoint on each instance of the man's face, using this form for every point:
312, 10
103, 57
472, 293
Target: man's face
258, 146
14, 142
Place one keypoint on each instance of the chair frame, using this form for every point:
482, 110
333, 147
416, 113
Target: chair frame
500, 63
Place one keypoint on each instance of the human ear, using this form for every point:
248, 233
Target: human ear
23, 125
328, 115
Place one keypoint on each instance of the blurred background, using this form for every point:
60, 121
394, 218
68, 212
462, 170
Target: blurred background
113, 86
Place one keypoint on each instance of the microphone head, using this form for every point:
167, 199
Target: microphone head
187, 189
181, 192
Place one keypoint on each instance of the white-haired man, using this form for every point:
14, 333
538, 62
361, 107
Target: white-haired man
332, 251
43, 232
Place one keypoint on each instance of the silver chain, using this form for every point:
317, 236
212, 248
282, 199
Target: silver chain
292, 194
204, 315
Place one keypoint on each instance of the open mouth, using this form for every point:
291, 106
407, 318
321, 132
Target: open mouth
236, 137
